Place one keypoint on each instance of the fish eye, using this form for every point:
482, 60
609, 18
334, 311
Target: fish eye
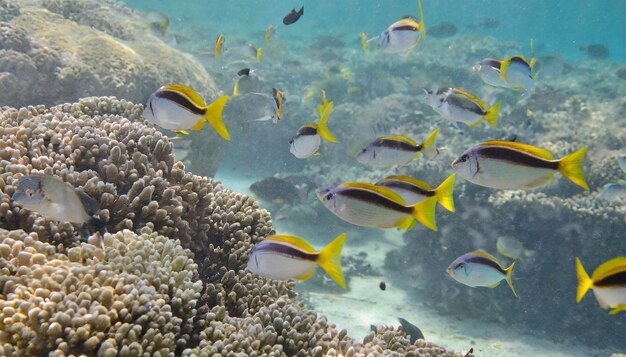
291, 141
460, 266
329, 196
29, 193
464, 158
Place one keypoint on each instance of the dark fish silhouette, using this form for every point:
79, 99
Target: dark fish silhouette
382, 286
293, 16
413, 331
597, 50
275, 190
470, 352
244, 72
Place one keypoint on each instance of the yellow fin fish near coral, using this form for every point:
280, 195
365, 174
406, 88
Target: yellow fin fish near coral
368, 205
395, 150
403, 35
219, 42
178, 108
480, 269
269, 32
309, 137
456, 104
608, 283
512, 166
413, 191
283, 257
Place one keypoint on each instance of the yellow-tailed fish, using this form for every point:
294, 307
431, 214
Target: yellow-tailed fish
279, 98
307, 141
268, 33
512, 248
512, 165
363, 38
323, 104
284, 257
458, 105
413, 191
179, 108
395, 150
519, 72
608, 283
403, 35
55, 200
219, 42
489, 71
480, 269
368, 205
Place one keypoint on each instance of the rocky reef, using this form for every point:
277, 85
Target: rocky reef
168, 277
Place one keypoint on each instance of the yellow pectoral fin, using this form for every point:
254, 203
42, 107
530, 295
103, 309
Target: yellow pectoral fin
306, 276
183, 132
617, 309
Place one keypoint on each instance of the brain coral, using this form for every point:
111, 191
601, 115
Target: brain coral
168, 278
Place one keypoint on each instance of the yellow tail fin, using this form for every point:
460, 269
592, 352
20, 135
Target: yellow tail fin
424, 212
492, 114
422, 26
429, 149
236, 87
259, 53
584, 281
509, 270
322, 128
330, 259
571, 166
444, 193
213, 115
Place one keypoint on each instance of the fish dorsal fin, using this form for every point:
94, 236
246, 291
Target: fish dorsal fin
611, 267
421, 184
295, 241
88, 202
469, 95
542, 153
399, 138
488, 256
193, 96
383, 191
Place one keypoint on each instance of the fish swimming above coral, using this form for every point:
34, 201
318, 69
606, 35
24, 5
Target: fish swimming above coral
269, 32
386, 151
413, 331
55, 200
512, 248
608, 283
284, 257
489, 71
512, 166
403, 35
458, 105
309, 137
276, 190
480, 269
219, 43
596, 51
613, 191
179, 108
293, 16
368, 205
413, 191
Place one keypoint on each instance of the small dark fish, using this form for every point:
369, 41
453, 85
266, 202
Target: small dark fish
470, 352
244, 72
443, 30
293, 16
413, 331
597, 50
382, 286
275, 190
373, 328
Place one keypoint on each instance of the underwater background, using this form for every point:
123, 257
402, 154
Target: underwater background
183, 211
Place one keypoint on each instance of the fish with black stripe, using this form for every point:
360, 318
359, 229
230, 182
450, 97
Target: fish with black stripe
608, 283
309, 137
283, 257
367, 205
458, 105
480, 269
511, 165
395, 150
413, 191
179, 108
401, 36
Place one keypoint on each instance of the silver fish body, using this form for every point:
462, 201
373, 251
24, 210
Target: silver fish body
171, 111
385, 153
53, 199
306, 143
489, 71
479, 269
280, 261
519, 73
457, 105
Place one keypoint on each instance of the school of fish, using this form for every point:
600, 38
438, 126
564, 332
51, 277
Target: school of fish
391, 202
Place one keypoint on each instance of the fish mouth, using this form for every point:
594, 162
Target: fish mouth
455, 163
449, 271
476, 67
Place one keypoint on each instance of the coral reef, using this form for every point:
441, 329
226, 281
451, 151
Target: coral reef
169, 277
94, 47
